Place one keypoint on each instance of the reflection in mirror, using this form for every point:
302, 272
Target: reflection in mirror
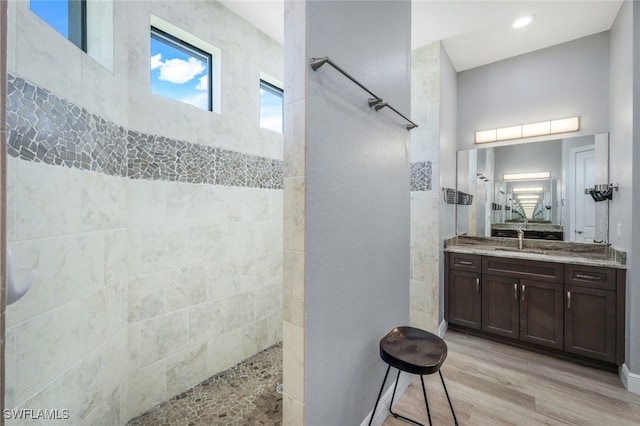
538, 187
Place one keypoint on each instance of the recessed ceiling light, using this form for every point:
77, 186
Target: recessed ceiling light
523, 22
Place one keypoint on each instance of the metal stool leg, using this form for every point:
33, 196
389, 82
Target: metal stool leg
455, 420
399, 416
379, 395
424, 392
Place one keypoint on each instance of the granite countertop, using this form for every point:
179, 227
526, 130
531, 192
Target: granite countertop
548, 251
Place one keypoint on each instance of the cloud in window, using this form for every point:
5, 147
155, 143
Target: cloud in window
177, 70
203, 83
156, 61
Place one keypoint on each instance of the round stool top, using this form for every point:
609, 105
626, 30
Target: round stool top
413, 350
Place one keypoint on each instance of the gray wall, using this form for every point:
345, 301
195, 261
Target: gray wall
561, 81
357, 204
536, 157
622, 156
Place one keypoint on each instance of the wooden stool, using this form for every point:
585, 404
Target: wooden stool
417, 352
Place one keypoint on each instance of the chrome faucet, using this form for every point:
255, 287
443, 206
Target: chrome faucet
520, 239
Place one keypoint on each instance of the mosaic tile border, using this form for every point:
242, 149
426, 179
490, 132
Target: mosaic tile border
421, 173
42, 127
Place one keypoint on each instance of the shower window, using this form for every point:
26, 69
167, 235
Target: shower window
271, 107
68, 17
181, 71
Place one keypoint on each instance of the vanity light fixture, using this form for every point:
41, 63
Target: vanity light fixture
543, 128
528, 189
528, 175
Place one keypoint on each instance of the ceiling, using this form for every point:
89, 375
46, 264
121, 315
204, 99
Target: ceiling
473, 32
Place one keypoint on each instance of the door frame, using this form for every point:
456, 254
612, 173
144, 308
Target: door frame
571, 181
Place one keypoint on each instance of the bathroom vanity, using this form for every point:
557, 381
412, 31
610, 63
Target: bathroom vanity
564, 299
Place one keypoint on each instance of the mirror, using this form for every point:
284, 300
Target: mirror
539, 187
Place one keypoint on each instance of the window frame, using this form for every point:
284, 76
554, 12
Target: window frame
274, 90
215, 69
77, 9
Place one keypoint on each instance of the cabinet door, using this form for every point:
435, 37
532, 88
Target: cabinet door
464, 299
590, 322
500, 305
541, 313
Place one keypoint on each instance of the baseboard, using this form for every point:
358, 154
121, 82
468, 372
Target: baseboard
442, 328
631, 381
383, 406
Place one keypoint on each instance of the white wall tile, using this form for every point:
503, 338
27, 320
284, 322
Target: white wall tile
238, 310
186, 369
254, 338
224, 351
60, 334
38, 47
147, 387
224, 204
206, 321
102, 201
224, 279
185, 287
146, 296
42, 208
79, 388
163, 336
11, 198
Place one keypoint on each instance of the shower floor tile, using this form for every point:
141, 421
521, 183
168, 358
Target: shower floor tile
242, 395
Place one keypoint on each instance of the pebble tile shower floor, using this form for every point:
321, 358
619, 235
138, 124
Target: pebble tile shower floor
244, 395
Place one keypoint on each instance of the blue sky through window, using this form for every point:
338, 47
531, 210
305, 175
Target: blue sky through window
271, 105
53, 12
179, 74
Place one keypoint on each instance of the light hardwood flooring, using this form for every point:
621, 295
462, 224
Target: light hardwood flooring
494, 384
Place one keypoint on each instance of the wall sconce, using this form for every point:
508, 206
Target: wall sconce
521, 131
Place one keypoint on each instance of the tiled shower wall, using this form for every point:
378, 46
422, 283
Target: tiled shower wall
425, 200
155, 228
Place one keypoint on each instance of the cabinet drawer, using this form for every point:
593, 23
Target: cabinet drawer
465, 262
521, 268
590, 276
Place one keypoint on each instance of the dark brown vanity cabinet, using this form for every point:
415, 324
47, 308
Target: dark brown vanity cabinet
572, 309
590, 312
463, 290
523, 300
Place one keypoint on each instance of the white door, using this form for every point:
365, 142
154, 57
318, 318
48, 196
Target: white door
585, 209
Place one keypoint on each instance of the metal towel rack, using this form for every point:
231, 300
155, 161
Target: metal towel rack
375, 101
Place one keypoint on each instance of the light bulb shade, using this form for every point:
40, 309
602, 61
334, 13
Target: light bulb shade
565, 125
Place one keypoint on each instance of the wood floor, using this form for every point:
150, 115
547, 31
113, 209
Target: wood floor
495, 384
